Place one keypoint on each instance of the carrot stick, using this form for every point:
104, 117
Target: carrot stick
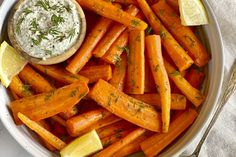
35, 80
119, 72
45, 105
79, 124
113, 34
94, 73
114, 128
85, 52
182, 34
59, 120
195, 77
176, 52
15, 96
109, 151
126, 107
108, 10
112, 56
136, 61
155, 59
44, 133
59, 74
178, 102
174, 4
70, 112
126, 2
105, 122
156, 143
19, 88
192, 94
149, 84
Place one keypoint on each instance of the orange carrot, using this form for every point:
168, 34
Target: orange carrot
19, 88
126, 107
35, 80
126, 2
156, 143
113, 34
195, 77
112, 56
178, 102
149, 80
182, 34
105, 122
59, 120
79, 124
85, 52
59, 74
114, 128
94, 73
176, 52
44, 133
14, 95
155, 59
110, 150
174, 4
45, 105
108, 10
192, 94
136, 61
68, 113
119, 72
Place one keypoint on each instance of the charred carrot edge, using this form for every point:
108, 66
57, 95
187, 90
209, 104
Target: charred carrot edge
195, 77
78, 124
192, 94
94, 73
155, 59
59, 120
114, 128
126, 107
136, 62
156, 143
119, 72
68, 113
176, 52
35, 80
60, 74
41, 106
183, 34
113, 34
44, 133
108, 10
178, 101
110, 150
19, 88
85, 52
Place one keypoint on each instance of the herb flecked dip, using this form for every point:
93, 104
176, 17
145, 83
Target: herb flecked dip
46, 28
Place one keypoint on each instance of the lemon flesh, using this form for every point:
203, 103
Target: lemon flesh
11, 63
85, 145
192, 13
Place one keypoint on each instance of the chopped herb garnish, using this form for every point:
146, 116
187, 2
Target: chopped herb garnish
117, 58
81, 95
27, 11
192, 42
44, 4
162, 34
148, 30
48, 52
42, 36
56, 20
68, 9
18, 25
48, 96
35, 41
107, 143
118, 135
71, 33
157, 67
135, 23
60, 37
34, 25
26, 88
175, 73
73, 93
138, 38
54, 32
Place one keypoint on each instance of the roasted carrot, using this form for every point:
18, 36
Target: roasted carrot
69, 112
114, 128
85, 52
192, 94
126, 107
155, 59
126, 2
35, 80
44, 133
105, 122
195, 77
119, 72
174, 4
79, 124
110, 150
156, 143
94, 73
149, 84
178, 102
108, 10
136, 62
183, 34
45, 105
14, 95
19, 88
113, 34
60, 74
112, 56
59, 120
176, 52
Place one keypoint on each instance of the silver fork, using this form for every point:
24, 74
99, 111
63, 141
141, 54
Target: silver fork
230, 89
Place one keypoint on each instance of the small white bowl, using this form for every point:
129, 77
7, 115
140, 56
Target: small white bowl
213, 89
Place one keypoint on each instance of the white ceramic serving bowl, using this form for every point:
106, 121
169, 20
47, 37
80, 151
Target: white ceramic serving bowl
213, 89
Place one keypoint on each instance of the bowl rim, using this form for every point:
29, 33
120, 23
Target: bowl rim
198, 130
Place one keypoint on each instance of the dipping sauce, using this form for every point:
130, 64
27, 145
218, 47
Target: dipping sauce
46, 28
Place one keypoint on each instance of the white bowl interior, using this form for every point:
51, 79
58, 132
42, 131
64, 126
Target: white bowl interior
214, 81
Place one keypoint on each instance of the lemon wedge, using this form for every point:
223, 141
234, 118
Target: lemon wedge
192, 13
85, 145
11, 63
